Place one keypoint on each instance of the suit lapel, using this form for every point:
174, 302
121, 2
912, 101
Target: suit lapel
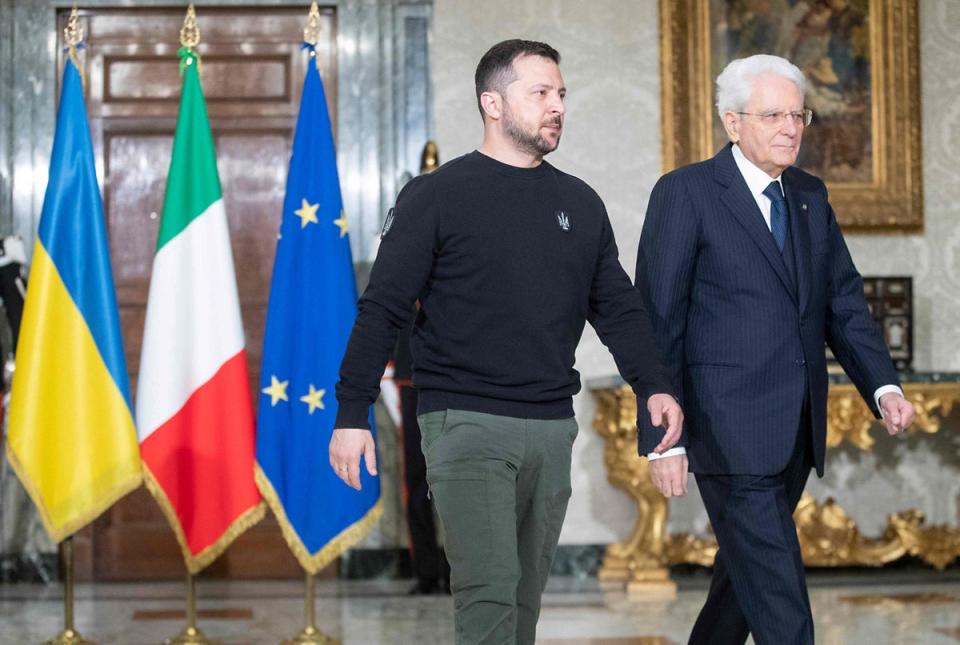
799, 230
743, 207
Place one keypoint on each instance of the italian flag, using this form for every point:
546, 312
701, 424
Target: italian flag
194, 409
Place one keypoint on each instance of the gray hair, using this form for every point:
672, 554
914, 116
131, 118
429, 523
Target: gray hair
735, 83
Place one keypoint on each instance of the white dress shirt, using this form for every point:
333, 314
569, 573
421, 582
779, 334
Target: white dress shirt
757, 181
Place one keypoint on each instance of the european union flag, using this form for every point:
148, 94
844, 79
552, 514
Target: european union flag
312, 308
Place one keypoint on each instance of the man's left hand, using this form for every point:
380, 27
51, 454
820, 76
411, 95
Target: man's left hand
669, 475
897, 412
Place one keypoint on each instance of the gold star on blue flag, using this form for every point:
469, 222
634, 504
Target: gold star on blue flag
342, 224
306, 335
277, 390
313, 399
307, 213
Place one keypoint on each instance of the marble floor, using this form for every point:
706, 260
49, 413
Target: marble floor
872, 608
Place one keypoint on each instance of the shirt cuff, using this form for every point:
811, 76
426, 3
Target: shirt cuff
885, 389
352, 414
673, 452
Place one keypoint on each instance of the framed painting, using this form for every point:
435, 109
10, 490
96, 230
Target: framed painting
861, 61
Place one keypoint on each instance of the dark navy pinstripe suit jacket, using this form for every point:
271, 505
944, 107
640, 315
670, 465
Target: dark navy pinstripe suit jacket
745, 345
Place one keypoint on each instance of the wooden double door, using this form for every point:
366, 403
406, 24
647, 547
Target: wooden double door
252, 73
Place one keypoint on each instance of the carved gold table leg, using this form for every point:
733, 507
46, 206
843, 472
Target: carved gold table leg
639, 561
828, 536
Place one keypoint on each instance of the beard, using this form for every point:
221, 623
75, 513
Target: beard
529, 142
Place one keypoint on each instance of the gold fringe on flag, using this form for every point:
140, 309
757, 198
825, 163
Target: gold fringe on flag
195, 563
334, 548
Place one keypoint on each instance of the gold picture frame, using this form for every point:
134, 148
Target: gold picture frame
879, 187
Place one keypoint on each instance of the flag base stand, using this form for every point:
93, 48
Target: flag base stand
191, 635
69, 635
310, 634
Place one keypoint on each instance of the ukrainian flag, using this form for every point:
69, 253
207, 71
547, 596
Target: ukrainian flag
71, 438
313, 303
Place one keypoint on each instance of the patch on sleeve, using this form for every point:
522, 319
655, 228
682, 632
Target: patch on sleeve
387, 223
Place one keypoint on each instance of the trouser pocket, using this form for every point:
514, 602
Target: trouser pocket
431, 427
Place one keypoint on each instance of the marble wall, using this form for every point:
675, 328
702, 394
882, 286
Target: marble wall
612, 140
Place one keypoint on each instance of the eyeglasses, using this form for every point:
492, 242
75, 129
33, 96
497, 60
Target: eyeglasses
776, 119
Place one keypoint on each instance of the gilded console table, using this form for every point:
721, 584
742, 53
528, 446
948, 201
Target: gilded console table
828, 536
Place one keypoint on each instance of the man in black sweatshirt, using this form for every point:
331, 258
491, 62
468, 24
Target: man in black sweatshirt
509, 257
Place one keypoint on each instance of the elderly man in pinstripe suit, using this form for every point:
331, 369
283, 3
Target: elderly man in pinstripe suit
746, 276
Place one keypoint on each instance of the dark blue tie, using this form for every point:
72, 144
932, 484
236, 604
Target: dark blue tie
778, 213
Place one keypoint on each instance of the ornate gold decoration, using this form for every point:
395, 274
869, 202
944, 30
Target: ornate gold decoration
190, 32
311, 33
849, 418
640, 559
938, 545
894, 197
828, 536
683, 548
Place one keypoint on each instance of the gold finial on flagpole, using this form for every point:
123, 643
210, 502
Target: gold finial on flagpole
189, 38
429, 158
72, 37
311, 33
73, 32
190, 32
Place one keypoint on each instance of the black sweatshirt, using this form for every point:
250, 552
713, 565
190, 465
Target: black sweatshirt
508, 263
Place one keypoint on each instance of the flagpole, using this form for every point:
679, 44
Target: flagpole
191, 634
73, 36
69, 635
310, 634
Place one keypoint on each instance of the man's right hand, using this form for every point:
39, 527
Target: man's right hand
347, 445
669, 475
665, 411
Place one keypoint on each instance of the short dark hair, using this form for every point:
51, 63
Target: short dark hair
495, 70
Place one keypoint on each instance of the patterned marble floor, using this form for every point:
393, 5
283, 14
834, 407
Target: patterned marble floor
864, 608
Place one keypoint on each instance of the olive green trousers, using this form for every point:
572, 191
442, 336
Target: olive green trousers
501, 486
